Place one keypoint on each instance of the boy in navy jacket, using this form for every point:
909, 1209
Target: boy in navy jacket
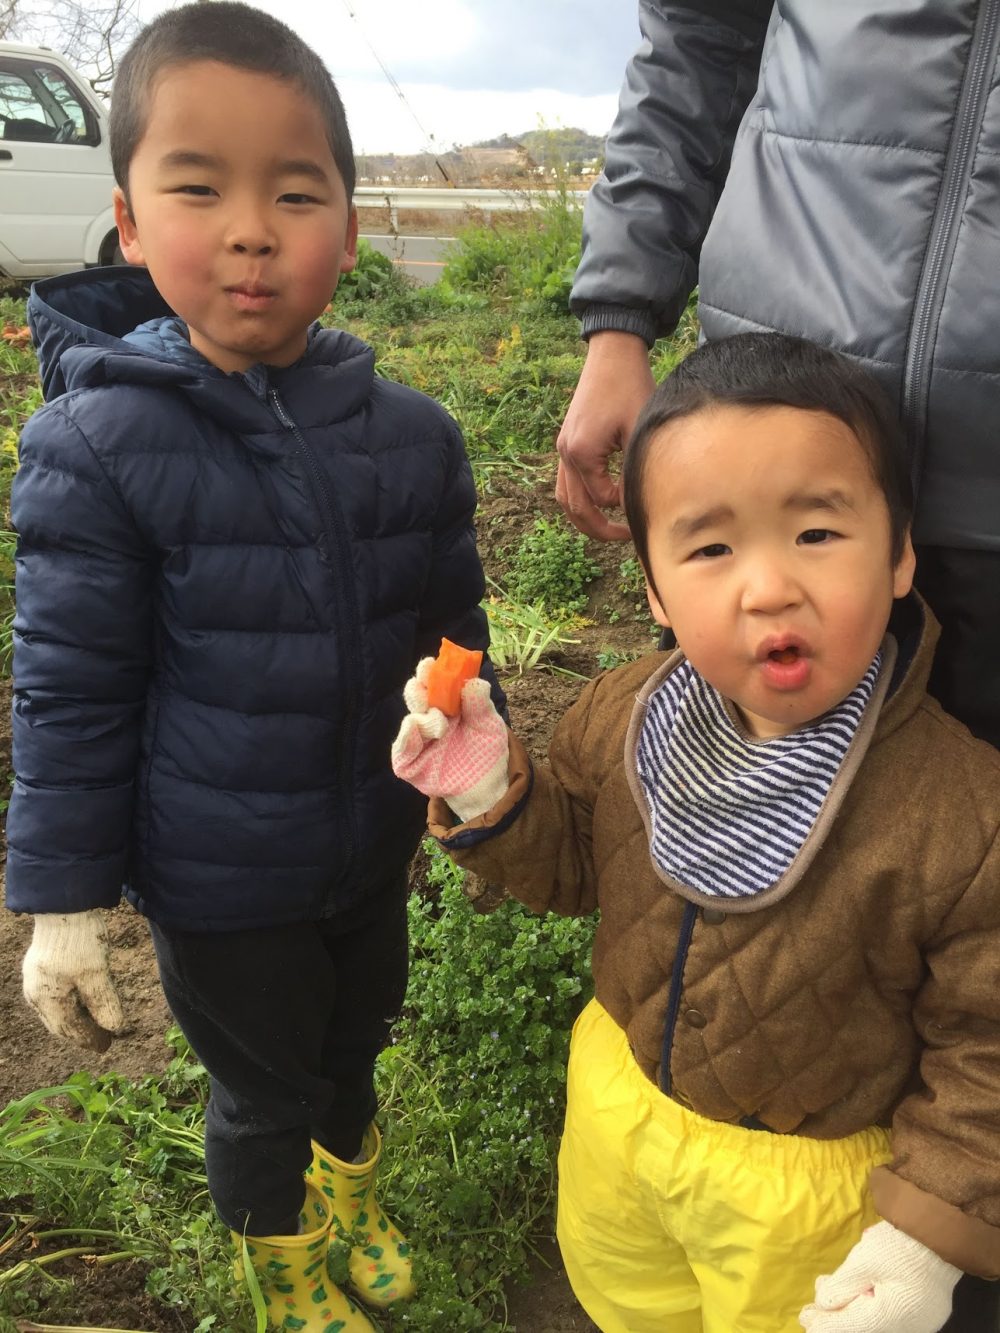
235, 544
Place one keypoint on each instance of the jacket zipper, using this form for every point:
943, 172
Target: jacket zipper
944, 230
347, 615
674, 1002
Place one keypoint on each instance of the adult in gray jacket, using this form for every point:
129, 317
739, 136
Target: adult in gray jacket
830, 170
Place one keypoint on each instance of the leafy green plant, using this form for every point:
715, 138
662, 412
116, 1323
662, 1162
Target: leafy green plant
114, 1170
551, 567
631, 578
532, 253
473, 1094
632, 586
374, 279
610, 658
522, 636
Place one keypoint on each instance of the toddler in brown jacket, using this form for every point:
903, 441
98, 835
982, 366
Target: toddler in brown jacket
791, 1066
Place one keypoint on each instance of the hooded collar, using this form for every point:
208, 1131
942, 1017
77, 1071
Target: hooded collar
111, 326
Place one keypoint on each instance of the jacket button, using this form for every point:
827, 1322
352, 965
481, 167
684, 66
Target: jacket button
712, 916
694, 1018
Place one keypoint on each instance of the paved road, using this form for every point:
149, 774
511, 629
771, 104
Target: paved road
420, 256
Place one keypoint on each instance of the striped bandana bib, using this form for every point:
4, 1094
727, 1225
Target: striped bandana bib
729, 814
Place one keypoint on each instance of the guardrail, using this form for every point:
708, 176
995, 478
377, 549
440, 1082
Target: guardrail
436, 199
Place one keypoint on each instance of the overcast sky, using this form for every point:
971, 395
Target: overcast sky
470, 69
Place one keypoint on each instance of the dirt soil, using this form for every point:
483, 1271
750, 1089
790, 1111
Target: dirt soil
30, 1059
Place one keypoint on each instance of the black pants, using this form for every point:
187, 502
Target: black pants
963, 590
288, 1021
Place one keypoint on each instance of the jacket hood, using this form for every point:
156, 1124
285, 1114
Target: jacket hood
111, 325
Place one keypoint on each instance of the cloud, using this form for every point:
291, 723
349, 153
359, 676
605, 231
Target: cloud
443, 116
469, 69
573, 46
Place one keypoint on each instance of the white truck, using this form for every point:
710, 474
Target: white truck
55, 168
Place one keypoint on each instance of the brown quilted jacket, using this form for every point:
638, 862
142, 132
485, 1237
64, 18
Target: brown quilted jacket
867, 993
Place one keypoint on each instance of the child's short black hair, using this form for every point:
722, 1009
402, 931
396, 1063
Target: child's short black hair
774, 370
233, 34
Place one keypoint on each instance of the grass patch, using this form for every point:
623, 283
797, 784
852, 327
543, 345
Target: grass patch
551, 567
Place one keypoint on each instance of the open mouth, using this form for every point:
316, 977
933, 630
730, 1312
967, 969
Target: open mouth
784, 656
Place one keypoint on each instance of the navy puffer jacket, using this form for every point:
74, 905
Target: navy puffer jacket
223, 582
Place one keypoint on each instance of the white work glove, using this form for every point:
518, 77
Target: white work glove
461, 759
67, 980
889, 1283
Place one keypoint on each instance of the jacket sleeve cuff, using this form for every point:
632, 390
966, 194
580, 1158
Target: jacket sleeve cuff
457, 837
36, 884
954, 1235
618, 319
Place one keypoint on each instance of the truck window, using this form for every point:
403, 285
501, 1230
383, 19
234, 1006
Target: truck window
39, 105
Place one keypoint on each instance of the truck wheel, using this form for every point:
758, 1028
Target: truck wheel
111, 252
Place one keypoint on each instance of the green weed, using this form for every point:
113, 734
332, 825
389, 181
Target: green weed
114, 1170
506, 377
551, 567
473, 1093
531, 254
522, 636
608, 659
374, 279
669, 351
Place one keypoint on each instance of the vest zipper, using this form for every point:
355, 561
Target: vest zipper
945, 225
348, 619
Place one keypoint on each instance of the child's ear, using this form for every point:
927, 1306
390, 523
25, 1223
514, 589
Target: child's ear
128, 236
656, 606
350, 255
902, 575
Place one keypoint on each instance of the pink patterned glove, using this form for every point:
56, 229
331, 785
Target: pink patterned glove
889, 1283
461, 759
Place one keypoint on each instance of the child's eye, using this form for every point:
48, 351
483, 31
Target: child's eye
816, 536
712, 551
293, 198
199, 191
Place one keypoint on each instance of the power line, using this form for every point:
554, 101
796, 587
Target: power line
428, 137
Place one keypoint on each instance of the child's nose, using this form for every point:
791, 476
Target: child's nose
770, 587
250, 234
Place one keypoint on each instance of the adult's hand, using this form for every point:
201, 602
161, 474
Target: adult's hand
614, 385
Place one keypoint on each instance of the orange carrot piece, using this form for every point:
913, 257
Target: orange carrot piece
452, 667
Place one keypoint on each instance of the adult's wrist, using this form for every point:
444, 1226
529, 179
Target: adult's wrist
601, 319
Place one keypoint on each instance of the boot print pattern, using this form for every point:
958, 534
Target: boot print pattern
381, 1267
297, 1291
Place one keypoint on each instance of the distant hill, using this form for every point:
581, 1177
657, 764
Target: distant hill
507, 158
557, 147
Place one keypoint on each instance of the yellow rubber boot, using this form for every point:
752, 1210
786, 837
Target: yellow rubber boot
380, 1266
298, 1293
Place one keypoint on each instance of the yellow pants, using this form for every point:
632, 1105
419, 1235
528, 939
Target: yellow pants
671, 1223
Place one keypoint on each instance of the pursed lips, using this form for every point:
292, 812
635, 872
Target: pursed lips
251, 297
781, 648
